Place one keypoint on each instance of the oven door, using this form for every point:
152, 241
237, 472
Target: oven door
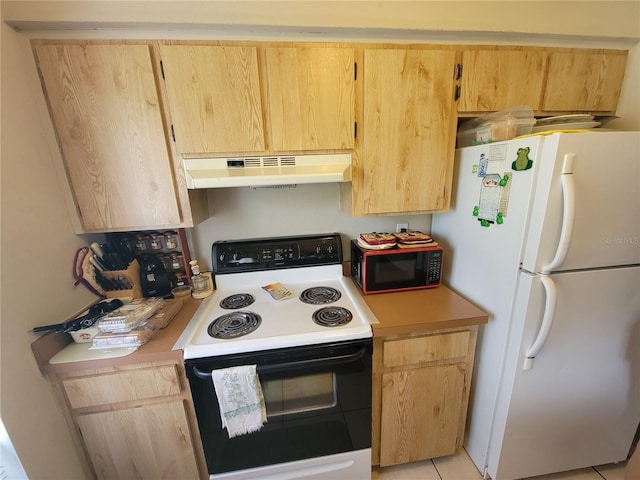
318, 403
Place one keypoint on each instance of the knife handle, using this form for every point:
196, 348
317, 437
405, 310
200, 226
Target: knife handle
46, 328
97, 249
96, 264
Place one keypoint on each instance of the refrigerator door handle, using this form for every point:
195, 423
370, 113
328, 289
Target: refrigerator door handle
568, 213
547, 321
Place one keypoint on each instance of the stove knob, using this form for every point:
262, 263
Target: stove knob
318, 250
330, 249
223, 257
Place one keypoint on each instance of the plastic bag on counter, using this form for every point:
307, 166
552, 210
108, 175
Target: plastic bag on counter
143, 331
134, 338
129, 316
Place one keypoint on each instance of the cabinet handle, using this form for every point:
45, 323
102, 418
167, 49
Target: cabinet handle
458, 73
457, 94
295, 365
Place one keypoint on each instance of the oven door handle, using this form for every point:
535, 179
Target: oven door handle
315, 362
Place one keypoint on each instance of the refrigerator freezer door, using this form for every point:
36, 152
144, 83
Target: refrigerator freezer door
482, 264
579, 405
598, 175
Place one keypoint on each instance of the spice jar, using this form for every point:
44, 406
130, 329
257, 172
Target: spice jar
128, 242
170, 240
165, 258
142, 244
155, 241
177, 262
180, 279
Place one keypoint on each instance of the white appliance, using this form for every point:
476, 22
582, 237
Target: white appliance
311, 343
544, 234
277, 329
267, 171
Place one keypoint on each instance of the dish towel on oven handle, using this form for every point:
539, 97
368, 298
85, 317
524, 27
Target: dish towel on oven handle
242, 408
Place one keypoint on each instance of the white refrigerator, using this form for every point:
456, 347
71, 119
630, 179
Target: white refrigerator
544, 234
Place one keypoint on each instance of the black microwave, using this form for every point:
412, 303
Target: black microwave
395, 269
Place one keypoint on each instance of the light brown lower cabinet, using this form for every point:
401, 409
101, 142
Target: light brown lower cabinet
420, 394
134, 421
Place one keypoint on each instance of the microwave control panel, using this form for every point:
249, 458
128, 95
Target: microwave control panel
434, 267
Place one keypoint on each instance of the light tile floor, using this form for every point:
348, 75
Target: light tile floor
460, 467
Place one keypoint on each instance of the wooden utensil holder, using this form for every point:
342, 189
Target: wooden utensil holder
132, 275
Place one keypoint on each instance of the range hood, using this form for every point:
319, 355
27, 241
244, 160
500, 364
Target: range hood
266, 171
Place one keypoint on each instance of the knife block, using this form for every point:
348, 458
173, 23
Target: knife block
132, 275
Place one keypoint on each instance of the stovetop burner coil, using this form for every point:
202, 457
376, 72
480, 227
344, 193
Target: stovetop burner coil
234, 324
237, 300
332, 316
320, 295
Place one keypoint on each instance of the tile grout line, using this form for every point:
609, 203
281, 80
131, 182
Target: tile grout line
437, 471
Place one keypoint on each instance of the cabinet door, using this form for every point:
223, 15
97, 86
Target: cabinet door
214, 98
584, 82
104, 103
409, 130
311, 98
494, 80
150, 441
420, 413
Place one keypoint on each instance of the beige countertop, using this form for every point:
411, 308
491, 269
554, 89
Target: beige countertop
417, 311
159, 348
400, 313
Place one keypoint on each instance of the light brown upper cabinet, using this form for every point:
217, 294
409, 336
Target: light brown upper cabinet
214, 98
220, 102
494, 80
584, 82
549, 80
311, 98
105, 108
409, 132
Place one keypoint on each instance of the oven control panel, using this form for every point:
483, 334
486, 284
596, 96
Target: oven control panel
233, 256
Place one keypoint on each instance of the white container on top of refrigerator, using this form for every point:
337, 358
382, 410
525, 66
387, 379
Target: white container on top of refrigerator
553, 254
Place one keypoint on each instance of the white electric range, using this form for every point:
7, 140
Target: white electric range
312, 352
293, 321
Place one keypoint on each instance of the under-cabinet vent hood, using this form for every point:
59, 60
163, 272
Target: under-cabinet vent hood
260, 171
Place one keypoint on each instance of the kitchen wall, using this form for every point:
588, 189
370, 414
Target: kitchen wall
617, 19
246, 213
36, 236
38, 246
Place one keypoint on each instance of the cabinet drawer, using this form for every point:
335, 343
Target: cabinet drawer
123, 386
409, 351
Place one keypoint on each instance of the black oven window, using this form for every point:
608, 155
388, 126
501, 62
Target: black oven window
286, 396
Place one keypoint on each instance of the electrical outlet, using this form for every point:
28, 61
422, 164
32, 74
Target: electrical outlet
402, 227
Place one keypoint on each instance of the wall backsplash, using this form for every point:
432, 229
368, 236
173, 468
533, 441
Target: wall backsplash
249, 213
